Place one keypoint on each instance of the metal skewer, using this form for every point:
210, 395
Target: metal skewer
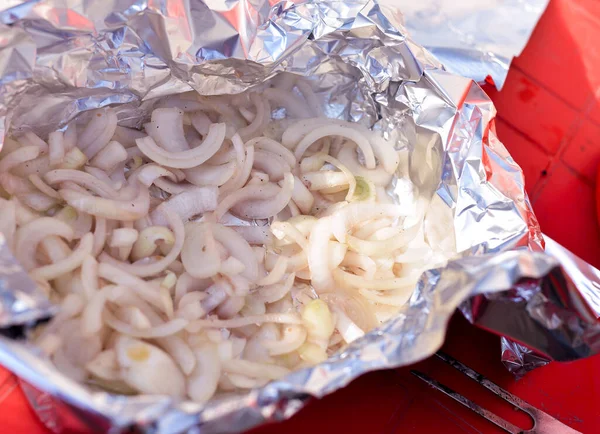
543, 423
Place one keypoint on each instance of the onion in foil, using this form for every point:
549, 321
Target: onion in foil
136, 241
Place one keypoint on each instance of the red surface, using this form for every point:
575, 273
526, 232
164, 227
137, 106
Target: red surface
549, 119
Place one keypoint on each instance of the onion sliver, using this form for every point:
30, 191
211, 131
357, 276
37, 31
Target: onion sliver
18, 156
270, 145
29, 236
142, 288
108, 208
187, 204
70, 263
166, 128
318, 255
207, 174
383, 247
239, 248
279, 318
344, 219
184, 159
160, 331
83, 179
262, 209
145, 270
336, 130
250, 192
350, 280
200, 256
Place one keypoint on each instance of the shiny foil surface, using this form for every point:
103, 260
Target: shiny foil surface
61, 58
473, 38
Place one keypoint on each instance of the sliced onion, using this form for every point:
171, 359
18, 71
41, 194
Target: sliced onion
43, 187
199, 255
349, 158
336, 130
32, 139
349, 216
238, 248
245, 160
293, 337
123, 237
263, 115
107, 208
318, 255
148, 173
274, 147
127, 136
203, 381
276, 273
98, 132
188, 204
83, 179
18, 156
99, 235
275, 292
279, 318
207, 174
29, 236
70, 263
142, 288
184, 159
145, 270
255, 235
250, 192
384, 247
109, 156
265, 208
166, 128
271, 164
348, 280
148, 239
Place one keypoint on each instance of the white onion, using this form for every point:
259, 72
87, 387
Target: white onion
109, 156
199, 255
18, 156
335, 130
184, 159
211, 175
108, 208
83, 179
72, 262
29, 236
244, 160
281, 318
188, 204
98, 132
271, 164
43, 187
166, 128
32, 139
204, 379
265, 208
238, 248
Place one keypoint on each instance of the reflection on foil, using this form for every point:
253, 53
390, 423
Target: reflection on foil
473, 38
62, 58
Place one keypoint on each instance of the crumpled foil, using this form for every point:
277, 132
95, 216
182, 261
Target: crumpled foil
473, 38
60, 58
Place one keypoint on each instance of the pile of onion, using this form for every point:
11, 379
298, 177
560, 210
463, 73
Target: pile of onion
216, 249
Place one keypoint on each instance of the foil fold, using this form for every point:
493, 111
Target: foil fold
59, 59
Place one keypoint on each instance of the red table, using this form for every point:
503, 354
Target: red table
549, 119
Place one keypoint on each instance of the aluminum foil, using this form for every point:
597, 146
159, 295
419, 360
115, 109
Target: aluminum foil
473, 38
61, 58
